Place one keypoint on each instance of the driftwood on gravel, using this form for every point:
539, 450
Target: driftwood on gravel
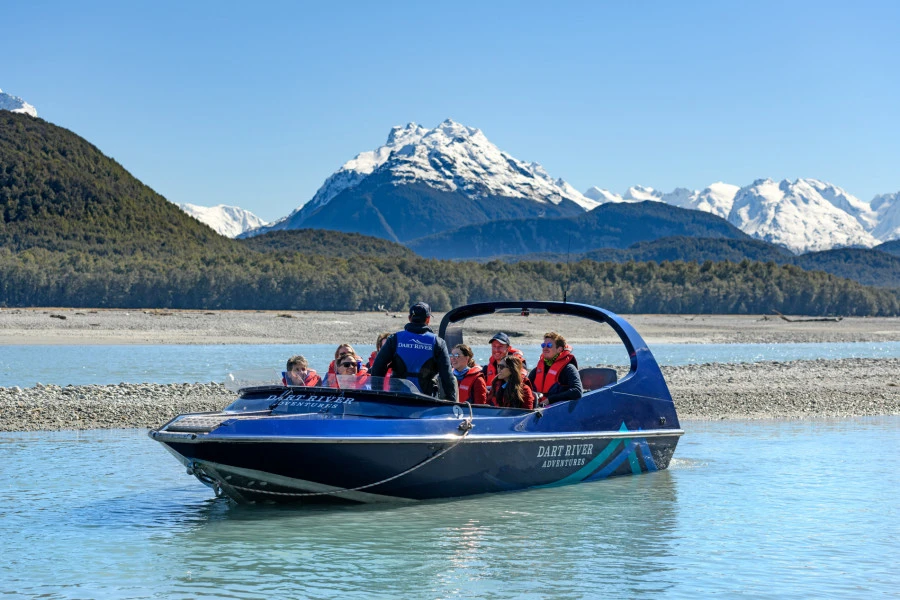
826, 319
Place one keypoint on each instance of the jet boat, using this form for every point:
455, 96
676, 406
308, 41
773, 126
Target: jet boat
384, 441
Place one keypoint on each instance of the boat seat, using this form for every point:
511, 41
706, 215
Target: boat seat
594, 378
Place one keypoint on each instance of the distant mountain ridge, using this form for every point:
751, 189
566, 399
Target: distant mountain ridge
611, 225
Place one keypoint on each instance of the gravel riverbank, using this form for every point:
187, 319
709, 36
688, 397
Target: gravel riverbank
767, 390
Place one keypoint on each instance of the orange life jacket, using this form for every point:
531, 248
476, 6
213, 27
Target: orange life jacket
545, 378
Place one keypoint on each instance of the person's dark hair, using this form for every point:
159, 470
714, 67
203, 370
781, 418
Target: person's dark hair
559, 340
467, 352
513, 390
297, 361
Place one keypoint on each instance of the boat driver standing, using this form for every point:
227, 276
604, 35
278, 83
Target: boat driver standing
418, 355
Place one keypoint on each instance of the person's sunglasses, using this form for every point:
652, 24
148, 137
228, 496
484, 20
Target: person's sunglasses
457, 355
347, 365
547, 345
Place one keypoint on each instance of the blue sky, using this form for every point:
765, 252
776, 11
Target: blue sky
256, 104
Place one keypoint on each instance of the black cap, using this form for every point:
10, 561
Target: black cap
500, 337
419, 311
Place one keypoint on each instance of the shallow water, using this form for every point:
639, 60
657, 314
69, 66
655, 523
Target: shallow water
766, 509
25, 366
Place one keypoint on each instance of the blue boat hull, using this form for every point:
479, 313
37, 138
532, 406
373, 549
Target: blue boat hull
371, 472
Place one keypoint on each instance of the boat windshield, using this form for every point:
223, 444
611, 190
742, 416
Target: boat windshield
254, 378
367, 382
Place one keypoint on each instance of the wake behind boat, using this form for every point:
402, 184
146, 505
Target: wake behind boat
384, 441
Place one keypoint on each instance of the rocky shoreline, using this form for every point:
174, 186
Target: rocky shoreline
765, 390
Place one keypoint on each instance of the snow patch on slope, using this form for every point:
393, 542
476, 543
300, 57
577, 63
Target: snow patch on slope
229, 221
16, 104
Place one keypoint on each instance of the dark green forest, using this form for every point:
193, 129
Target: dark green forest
283, 281
78, 230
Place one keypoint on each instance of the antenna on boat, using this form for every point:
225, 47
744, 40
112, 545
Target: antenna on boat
566, 285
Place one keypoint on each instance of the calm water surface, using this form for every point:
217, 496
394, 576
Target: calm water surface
764, 509
25, 366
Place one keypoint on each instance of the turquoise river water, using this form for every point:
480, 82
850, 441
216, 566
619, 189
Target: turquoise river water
795, 509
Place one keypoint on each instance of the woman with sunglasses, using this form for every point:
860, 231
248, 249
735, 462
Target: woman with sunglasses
510, 389
341, 349
349, 372
556, 376
470, 377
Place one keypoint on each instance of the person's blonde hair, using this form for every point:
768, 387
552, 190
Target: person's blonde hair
337, 351
381, 337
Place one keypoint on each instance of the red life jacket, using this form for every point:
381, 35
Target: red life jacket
312, 378
496, 396
466, 393
492, 365
545, 378
362, 376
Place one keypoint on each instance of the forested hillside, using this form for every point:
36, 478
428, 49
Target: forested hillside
60, 193
611, 225
326, 243
892, 247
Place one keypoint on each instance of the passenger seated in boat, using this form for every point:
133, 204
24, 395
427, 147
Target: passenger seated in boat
379, 342
500, 348
510, 389
299, 373
470, 377
556, 376
343, 348
349, 373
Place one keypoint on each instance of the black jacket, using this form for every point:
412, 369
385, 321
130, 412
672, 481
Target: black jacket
567, 387
441, 358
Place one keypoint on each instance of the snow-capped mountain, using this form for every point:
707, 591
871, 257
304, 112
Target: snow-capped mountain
639, 193
16, 104
801, 215
450, 159
848, 203
887, 209
716, 199
229, 221
602, 196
